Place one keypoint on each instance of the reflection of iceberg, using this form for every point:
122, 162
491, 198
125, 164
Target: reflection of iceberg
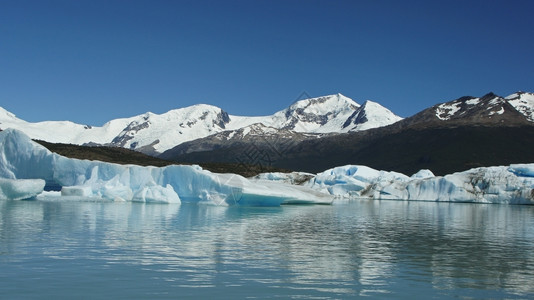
513, 184
21, 158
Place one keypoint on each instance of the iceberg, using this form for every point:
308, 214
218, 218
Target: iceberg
21, 189
294, 178
352, 180
512, 184
21, 158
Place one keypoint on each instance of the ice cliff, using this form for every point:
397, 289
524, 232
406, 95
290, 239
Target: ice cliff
26, 166
512, 184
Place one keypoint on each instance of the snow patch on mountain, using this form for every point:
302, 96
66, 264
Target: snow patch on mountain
490, 103
524, 103
446, 110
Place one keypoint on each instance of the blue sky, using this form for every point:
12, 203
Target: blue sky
90, 61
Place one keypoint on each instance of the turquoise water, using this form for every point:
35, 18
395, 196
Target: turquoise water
379, 249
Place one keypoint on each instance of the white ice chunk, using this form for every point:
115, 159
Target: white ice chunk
352, 180
423, 174
158, 194
79, 191
13, 189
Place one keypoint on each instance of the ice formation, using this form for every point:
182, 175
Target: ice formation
20, 189
25, 168
21, 158
512, 184
295, 178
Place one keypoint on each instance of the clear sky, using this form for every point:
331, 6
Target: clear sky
90, 61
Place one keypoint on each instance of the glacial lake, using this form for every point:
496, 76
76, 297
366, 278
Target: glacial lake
360, 248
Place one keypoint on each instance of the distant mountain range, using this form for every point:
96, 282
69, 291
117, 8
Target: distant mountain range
445, 138
153, 134
319, 133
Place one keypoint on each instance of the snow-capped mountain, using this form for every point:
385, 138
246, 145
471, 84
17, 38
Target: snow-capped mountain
490, 110
318, 115
305, 119
447, 137
154, 133
64, 131
333, 114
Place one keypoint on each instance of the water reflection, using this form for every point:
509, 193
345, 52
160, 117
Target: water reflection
362, 248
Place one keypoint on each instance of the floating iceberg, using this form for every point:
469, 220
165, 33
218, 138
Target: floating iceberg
294, 178
20, 189
512, 184
21, 158
352, 180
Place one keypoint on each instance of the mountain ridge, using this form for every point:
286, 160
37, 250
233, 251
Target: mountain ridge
445, 138
481, 131
154, 133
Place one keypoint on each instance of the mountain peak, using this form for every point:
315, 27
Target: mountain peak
490, 94
329, 101
370, 115
488, 110
370, 103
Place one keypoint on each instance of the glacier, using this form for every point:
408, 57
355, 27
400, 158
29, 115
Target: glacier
513, 184
23, 162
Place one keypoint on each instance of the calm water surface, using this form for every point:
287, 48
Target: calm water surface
379, 249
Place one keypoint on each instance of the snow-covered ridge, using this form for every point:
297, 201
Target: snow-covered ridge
487, 106
155, 133
493, 104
